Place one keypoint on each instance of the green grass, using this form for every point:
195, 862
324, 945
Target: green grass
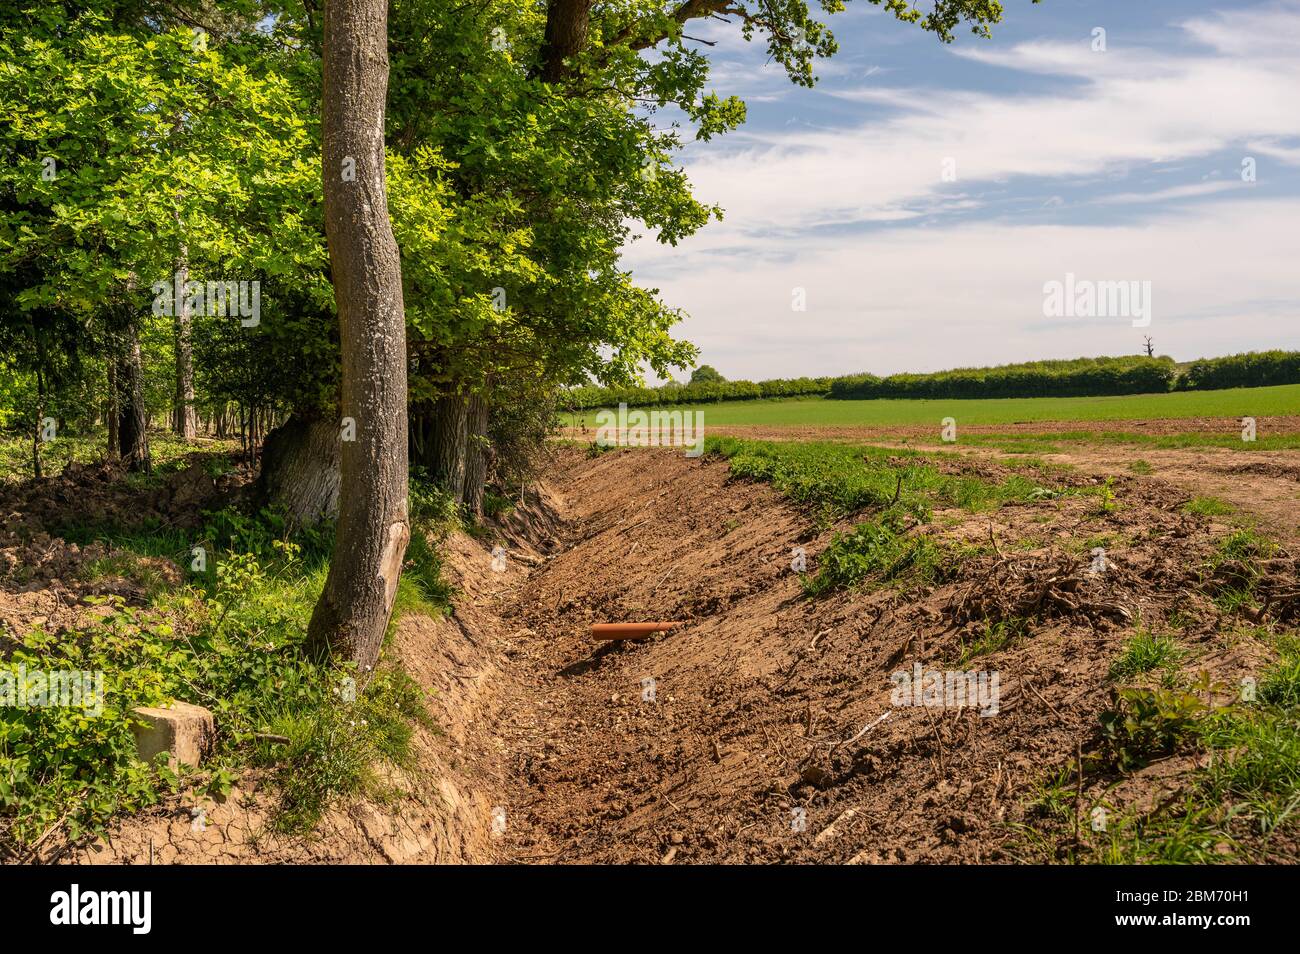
1234, 568
1146, 652
1233, 808
842, 479
880, 550
902, 489
167, 452
1243, 791
333, 749
994, 637
815, 412
1208, 507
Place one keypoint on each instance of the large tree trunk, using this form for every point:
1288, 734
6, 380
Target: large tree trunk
476, 454
184, 418
373, 527
447, 444
132, 415
566, 36
300, 468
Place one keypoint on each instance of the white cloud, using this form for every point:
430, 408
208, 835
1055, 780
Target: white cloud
1189, 191
1129, 107
932, 290
914, 298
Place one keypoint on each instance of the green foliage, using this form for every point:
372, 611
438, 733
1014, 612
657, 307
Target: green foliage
1233, 569
1244, 796
1143, 724
842, 479
1077, 377
836, 478
163, 151
1281, 686
1244, 544
839, 480
496, 506
1250, 370
699, 391
879, 551
1106, 497
707, 374
333, 749
231, 640
1208, 507
434, 514
995, 636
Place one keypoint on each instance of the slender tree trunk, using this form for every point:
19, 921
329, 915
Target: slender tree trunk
111, 413
476, 453
133, 416
40, 416
373, 527
184, 418
447, 444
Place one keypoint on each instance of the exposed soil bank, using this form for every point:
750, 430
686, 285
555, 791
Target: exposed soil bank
764, 730
768, 732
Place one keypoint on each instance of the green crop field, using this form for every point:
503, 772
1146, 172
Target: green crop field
820, 412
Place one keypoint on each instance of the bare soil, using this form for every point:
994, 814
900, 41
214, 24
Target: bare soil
762, 730
1277, 426
770, 734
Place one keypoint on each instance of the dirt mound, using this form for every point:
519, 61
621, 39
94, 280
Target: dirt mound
103, 494
770, 726
1266, 468
34, 558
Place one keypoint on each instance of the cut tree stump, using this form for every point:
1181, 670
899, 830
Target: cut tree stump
185, 732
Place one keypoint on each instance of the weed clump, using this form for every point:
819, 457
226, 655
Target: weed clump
880, 551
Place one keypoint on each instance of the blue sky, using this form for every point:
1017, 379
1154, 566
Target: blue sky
1116, 165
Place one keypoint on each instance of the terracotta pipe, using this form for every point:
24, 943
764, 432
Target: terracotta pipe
629, 630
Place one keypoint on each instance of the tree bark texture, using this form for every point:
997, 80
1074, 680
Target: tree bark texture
132, 415
373, 526
300, 469
476, 464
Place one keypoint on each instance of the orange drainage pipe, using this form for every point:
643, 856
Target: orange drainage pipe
629, 630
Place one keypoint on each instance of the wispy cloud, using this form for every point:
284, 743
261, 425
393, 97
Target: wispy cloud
1191, 191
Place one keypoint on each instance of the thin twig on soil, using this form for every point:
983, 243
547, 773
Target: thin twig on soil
861, 732
1035, 691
